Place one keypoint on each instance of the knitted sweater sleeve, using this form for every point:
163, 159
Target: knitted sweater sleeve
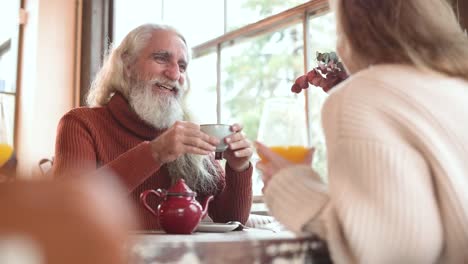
380, 206
76, 154
234, 200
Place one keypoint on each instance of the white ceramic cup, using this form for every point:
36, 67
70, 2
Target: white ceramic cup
220, 131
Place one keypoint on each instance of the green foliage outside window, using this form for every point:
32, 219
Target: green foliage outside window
266, 67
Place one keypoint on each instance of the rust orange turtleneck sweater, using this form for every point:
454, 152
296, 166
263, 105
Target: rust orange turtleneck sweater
114, 138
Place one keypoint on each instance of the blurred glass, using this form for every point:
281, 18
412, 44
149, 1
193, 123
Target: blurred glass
8, 69
283, 128
7, 118
9, 33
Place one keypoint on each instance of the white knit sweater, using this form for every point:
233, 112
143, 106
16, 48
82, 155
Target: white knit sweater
397, 142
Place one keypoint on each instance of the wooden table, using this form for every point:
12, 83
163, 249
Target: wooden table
240, 247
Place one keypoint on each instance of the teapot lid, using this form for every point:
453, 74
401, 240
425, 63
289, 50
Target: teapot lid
180, 188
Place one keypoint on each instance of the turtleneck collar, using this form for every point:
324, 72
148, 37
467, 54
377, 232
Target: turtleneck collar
122, 112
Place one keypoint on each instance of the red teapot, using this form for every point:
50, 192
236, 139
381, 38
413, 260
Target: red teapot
178, 212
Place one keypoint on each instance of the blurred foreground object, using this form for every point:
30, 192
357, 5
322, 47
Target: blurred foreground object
81, 221
7, 162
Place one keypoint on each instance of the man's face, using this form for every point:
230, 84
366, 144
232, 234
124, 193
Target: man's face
162, 62
157, 80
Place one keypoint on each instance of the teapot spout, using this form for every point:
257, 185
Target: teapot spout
205, 205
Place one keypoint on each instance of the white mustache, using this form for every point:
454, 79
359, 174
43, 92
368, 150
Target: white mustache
165, 83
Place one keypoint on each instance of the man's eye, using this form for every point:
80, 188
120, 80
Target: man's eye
182, 67
160, 58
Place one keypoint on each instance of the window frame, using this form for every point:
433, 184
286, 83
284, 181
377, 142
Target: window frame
301, 13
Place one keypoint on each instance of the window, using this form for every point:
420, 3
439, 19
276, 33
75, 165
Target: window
255, 70
322, 39
190, 17
202, 95
9, 34
240, 13
246, 52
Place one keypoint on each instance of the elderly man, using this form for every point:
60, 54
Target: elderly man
140, 129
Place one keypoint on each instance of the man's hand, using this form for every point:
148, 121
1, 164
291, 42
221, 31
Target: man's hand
239, 149
183, 137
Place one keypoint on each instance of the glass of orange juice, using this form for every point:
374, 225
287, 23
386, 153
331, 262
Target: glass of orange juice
283, 128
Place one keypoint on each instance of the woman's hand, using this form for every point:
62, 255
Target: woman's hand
239, 149
274, 162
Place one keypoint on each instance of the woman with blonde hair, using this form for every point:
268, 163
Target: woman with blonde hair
397, 140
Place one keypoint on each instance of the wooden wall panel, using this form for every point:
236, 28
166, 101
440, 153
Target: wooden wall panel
47, 77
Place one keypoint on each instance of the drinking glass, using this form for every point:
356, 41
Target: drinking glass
283, 128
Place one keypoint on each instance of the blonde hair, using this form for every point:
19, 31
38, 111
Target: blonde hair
111, 77
423, 33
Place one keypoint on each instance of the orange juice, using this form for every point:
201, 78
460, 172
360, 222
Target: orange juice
294, 154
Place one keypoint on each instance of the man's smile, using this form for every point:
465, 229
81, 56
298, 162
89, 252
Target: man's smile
165, 87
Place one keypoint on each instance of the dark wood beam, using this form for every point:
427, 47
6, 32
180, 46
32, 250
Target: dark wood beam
96, 33
463, 13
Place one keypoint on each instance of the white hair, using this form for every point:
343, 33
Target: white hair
111, 77
198, 171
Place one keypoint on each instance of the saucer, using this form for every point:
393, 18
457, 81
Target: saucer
215, 227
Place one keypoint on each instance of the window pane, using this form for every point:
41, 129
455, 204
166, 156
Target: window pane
323, 39
197, 27
198, 21
9, 18
202, 95
254, 71
7, 117
322, 34
9, 11
243, 12
8, 70
130, 14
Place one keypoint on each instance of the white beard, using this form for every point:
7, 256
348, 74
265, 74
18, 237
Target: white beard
198, 171
159, 111
162, 112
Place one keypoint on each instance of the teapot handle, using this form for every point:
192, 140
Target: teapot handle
144, 194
